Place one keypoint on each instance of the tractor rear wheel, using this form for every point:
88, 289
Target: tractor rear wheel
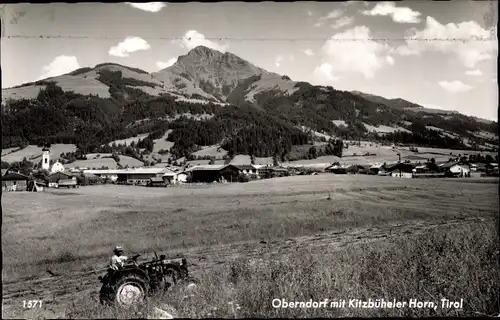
130, 290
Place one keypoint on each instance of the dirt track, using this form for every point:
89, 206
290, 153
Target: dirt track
60, 291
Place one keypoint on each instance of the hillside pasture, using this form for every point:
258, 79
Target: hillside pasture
156, 91
384, 129
264, 160
265, 84
93, 163
92, 156
128, 141
33, 153
241, 159
126, 73
83, 85
162, 143
203, 162
28, 92
129, 161
211, 151
8, 150
344, 227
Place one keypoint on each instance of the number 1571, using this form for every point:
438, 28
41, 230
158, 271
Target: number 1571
30, 304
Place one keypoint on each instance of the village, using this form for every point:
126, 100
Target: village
58, 176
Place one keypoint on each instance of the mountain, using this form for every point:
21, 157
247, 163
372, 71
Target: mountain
212, 98
395, 103
216, 76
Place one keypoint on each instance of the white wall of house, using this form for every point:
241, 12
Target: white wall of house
458, 169
182, 177
396, 174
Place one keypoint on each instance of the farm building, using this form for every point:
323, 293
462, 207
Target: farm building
130, 176
157, 182
376, 168
477, 167
356, 168
246, 168
267, 172
90, 179
455, 169
182, 176
205, 173
230, 173
212, 173
337, 169
399, 170
14, 181
36, 185
169, 176
492, 169
61, 179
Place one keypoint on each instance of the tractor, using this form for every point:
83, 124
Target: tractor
135, 281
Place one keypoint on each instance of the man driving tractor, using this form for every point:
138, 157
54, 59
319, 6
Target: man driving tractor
117, 259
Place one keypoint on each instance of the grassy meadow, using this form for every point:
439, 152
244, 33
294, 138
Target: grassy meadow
220, 228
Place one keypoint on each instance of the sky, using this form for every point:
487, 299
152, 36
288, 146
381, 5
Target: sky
437, 54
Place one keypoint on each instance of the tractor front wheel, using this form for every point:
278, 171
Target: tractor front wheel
130, 290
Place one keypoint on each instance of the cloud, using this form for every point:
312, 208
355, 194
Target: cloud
342, 22
454, 86
59, 66
390, 60
331, 15
325, 73
352, 2
308, 52
353, 51
149, 6
476, 72
162, 65
130, 44
193, 38
398, 14
278, 60
468, 41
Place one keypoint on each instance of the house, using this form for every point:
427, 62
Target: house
130, 176
246, 168
157, 182
337, 169
478, 167
61, 179
14, 181
399, 170
492, 169
455, 169
355, 168
90, 179
206, 173
280, 172
182, 177
36, 185
375, 168
169, 176
230, 173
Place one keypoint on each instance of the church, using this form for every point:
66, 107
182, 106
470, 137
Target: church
56, 167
